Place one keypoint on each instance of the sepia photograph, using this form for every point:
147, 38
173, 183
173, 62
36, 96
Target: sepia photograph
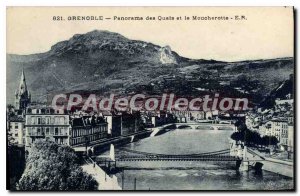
150, 99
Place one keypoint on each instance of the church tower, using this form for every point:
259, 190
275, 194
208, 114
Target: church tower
22, 95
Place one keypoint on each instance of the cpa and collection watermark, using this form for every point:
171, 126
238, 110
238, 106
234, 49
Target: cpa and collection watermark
139, 102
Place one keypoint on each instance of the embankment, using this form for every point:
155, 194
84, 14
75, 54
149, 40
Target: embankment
282, 167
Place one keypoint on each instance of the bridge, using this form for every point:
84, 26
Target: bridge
128, 155
220, 156
222, 125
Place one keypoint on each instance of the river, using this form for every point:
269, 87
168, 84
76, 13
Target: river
160, 175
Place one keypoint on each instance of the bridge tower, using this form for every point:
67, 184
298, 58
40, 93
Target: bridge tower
112, 152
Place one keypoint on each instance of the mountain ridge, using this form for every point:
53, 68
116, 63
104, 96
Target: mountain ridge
109, 62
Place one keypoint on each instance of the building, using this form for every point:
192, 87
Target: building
265, 128
17, 129
290, 119
114, 125
284, 101
22, 95
290, 140
87, 130
279, 129
197, 115
46, 123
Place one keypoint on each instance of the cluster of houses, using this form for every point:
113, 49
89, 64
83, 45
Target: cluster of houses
28, 122
277, 121
77, 129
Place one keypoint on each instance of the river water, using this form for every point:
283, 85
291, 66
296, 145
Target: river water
185, 175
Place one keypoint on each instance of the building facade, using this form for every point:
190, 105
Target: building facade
279, 129
114, 125
46, 123
87, 130
17, 130
290, 140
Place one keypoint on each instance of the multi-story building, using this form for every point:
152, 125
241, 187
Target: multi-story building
290, 140
114, 125
279, 129
17, 129
290, 119
265, 128
197, 115
87, 130
46, 123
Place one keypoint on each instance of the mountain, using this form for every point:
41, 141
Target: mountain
103, 61
284, 90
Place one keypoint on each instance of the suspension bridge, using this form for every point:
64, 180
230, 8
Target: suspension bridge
221, 155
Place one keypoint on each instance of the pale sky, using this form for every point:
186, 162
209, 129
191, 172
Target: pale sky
267, 33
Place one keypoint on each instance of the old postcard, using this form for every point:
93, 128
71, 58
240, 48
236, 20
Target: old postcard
150, 98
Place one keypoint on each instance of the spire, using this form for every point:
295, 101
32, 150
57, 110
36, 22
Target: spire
23, 97
22, 86
23, 75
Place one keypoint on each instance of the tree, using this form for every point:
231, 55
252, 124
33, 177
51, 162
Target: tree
273, 141
10, 109
269, 140
53, 167
237, 136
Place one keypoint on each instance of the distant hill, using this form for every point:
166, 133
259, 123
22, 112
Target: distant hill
103, 61
284, 90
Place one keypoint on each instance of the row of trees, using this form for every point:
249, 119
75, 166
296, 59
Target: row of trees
53, 167
252, 138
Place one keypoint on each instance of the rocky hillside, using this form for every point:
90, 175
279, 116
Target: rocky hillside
285, 90
103, 61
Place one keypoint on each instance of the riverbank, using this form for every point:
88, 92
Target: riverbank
105, 182
162, 129
181, 175
104, 144
285, 168
252, 156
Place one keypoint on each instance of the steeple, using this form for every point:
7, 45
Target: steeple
23, 97
22, 86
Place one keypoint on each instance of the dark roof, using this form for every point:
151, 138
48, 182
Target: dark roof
279, 120
87, 121
77, 122
16, 119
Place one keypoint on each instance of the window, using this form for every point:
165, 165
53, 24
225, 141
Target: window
39, 121
56, 131
47, 120
47, 131
56, 120
33, 120
62, 120
16, 126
